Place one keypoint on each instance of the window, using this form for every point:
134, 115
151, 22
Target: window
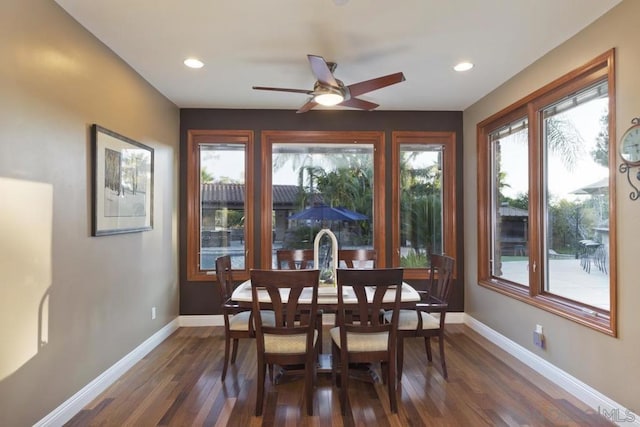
294, 174
544, 231
509, 146
423, 198
219, 167
315, 180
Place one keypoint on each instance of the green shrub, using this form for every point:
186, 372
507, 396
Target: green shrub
414, 260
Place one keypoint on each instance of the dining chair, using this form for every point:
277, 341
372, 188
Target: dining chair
297, 259
238, 321
293, 338
357, 258
428, 318
294, 259
368, 339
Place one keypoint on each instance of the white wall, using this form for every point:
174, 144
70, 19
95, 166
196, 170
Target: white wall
609, 365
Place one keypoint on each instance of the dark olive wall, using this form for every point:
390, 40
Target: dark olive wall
201, 297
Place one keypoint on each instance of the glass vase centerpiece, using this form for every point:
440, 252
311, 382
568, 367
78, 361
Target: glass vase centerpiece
325, 257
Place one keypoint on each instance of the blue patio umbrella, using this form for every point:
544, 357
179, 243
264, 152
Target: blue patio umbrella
328, 213
324, 212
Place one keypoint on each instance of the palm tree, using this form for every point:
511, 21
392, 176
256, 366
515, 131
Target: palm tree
205, 176
420, 206
564, 139
307, 185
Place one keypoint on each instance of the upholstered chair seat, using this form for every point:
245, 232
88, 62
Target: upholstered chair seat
287, 344
240, 321
362, 342
408, 320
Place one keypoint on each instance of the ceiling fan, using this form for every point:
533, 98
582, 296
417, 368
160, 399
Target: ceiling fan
330, 91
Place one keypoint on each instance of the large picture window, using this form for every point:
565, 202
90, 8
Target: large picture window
545, 195
316, 180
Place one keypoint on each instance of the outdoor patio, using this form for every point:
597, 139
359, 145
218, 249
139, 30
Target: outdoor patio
568, 279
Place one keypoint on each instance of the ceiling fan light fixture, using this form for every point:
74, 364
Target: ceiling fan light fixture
328, 99
328, 96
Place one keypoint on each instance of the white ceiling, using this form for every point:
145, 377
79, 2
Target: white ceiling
265, 42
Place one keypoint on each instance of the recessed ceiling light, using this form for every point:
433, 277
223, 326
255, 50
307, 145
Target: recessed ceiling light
193, 63
463, 66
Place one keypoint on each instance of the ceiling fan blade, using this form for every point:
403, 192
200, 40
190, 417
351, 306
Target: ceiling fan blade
307, 106
321, 71
375, 84
359, 103
280, 89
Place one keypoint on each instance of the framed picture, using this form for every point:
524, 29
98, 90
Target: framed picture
122, 173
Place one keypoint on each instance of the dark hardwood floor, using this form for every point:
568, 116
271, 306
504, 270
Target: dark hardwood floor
178, 384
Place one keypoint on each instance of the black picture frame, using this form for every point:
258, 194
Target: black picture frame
122, 178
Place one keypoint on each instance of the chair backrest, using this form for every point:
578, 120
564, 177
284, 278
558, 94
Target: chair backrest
370, 287
357, 258
441, 277
294, 259
290, 316
224, 276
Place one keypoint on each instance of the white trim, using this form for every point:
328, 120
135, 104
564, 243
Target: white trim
454, 317
193, 321
590, 396
88, 393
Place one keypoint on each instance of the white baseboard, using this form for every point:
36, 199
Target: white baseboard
193, 321
82, 398
454, 317
590, 396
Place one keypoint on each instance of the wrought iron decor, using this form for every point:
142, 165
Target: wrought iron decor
630, 154
625, 168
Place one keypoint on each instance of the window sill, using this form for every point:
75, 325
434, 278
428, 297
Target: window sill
590, 317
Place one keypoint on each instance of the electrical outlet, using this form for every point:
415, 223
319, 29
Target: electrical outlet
538, 337
153, 313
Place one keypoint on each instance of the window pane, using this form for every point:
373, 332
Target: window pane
510, 202
325, 186
222, 181
420, 203
576, 147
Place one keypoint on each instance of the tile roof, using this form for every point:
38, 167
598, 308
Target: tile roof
233, 194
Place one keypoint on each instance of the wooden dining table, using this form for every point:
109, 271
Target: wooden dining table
328, 303
327, 296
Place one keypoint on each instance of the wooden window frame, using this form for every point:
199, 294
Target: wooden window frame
268, 138
599, 69
194, 139
449, 227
